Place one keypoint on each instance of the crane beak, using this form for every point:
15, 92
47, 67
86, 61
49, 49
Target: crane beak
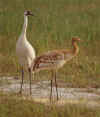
79, 39
30, 13
76, 39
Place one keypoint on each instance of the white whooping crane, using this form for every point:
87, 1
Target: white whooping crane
24, 50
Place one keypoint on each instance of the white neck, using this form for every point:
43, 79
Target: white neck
25, 25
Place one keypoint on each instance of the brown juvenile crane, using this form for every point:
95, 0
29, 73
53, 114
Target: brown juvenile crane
53, 60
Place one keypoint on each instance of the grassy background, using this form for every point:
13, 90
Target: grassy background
54, 24
12, 106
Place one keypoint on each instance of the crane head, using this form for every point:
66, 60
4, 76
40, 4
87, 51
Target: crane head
27, 13
75, 39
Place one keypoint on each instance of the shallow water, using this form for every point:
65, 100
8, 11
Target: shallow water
41, 92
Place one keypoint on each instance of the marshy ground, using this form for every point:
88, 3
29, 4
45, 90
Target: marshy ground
41, 91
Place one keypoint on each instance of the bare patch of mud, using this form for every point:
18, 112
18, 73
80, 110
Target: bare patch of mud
41, 92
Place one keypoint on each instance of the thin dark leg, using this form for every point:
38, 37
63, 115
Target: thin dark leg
51, 91
56, 85
30, 77
21, 81
52, 75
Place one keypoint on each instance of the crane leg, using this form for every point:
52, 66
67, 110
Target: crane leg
30, 77
51, 86
56, 85
51, 91
22, 72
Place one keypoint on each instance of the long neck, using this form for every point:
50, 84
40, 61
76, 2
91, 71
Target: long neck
25, 25
75, 48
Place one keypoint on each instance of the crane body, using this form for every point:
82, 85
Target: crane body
24, 50
54, 60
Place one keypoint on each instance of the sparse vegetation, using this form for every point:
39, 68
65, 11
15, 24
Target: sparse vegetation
12, 106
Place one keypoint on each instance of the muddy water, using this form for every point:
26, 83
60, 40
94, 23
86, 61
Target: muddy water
41, 92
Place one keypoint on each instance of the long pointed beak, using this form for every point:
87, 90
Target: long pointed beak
31, 14
79, 39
